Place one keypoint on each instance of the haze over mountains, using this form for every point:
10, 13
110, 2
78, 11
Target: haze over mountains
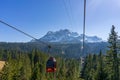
66, 36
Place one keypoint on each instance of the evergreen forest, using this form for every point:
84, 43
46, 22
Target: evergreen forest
24, 65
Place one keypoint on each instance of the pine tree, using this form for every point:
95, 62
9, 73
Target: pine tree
100, 73
36, 73
87, 69
112, 57
62, 70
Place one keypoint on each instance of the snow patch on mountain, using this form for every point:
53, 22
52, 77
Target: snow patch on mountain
67, 36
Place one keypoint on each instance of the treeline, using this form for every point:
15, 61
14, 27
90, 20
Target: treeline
32, 66
100, 67
70, 50
104, 67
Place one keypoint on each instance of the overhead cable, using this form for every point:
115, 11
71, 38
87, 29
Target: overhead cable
67, 12
21, 31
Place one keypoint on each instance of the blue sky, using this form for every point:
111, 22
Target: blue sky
37, 17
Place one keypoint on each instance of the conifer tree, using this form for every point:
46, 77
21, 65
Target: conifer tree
112, 57
100, 73
36, 73
87, 69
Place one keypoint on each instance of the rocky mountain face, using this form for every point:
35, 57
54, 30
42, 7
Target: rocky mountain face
66, 36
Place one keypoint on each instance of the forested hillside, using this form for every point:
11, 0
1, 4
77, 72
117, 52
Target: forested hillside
65, 50
104, 67
23, 65
32, 66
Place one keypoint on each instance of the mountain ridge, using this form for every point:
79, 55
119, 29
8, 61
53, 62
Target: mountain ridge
67, 36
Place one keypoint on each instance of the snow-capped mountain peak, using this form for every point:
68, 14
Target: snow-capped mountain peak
67, 36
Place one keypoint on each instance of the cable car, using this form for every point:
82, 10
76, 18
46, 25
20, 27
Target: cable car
51, 65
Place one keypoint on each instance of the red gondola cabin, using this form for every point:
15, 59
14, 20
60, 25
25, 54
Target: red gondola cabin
51, 65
